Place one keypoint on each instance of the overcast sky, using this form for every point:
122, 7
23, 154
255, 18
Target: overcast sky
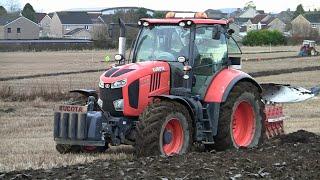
193, 5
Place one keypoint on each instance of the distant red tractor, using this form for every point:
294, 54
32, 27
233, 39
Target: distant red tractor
180, 87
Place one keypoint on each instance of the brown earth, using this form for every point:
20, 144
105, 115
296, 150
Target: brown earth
295, 155
292, 156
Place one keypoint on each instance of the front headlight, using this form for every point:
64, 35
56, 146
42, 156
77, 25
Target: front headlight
118, 105
118, 84
101, 84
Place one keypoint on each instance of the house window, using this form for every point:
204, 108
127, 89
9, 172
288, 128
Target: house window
67, 28
86, 27
9, 30
18, 30
314, 25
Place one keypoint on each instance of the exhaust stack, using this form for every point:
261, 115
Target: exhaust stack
122, 39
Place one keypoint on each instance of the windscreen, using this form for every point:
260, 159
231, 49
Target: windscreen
165, 42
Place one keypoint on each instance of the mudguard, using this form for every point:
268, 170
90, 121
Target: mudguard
188, 104
86, 92
223, 82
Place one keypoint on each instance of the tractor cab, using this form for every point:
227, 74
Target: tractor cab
196, 49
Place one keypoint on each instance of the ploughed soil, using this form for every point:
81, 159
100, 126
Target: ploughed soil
292, 156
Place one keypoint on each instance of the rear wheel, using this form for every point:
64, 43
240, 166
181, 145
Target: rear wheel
66, 148
241, 119
164, 128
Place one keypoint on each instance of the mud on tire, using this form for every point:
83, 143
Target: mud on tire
152, 126
248, 94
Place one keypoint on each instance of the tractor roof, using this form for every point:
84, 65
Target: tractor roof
194, 20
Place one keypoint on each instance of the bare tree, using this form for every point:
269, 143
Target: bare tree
13, 5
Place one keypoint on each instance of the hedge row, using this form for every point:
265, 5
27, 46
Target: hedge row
264, 37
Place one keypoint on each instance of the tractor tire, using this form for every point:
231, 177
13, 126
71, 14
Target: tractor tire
65, 148
241, 120
164, 128
94, 149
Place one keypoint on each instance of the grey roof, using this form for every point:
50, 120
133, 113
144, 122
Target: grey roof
236, 13
40, 16
258, 18
241, 21
269, 20
285, 16
74, 17
70, 33
51, 15
313, 17
216, 14
106, 18
7, 19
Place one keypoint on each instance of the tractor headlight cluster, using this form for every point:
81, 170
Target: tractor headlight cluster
101, 84
118, 84
118, 105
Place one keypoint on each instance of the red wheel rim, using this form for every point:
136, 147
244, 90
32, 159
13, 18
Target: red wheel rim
243, 124
175, 142
89, 148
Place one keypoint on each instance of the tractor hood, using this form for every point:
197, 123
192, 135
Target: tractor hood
133, 86
134, 71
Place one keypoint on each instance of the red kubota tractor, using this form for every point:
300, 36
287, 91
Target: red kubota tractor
180, 87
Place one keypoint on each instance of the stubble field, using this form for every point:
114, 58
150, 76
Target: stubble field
26, 127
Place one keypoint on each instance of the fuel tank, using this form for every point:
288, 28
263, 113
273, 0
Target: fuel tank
126, 90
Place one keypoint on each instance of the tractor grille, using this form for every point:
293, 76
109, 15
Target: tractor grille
108, 95
155, 82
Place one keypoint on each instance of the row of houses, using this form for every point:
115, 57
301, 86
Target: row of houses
67, 24
72, 25
80, 24
251, 19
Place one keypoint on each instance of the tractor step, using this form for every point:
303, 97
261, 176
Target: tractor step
204, 126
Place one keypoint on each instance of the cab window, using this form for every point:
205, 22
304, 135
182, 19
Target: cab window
162, 43
233, 48
210, 51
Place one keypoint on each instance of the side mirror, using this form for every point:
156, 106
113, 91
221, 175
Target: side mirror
230, 31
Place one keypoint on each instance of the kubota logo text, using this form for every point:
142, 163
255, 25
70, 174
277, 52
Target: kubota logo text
158, 69
71, 108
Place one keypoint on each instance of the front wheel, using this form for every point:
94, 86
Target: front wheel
241, 121
94, 149
66, 148
165, 128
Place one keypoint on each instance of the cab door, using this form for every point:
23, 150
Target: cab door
210, 55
